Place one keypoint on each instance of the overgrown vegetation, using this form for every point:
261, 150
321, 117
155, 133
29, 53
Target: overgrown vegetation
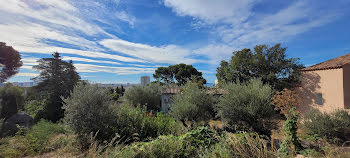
89, 111
108, 122
193, 104
287, 101
11, 100
334, 127
148, 96
37, 140
246, 106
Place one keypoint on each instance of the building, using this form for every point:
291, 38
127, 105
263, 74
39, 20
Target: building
326, 86
145, 80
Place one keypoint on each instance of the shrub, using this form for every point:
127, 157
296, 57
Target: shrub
149, 96
287, 101
335, 126
134, 123
194, 104
11, 99
246, 106
33, 107
188, 145
201, 137
201, 142
88, 111
33, 141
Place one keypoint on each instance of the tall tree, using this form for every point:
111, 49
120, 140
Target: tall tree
57, 79
268, 63
180, 72
10, 61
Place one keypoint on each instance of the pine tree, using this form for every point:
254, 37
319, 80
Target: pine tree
56, 80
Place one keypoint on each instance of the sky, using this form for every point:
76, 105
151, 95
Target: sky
117, 41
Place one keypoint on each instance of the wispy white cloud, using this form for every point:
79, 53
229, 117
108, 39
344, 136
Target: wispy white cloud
163, 54
90, 60
122, 15
90, 68
240, 24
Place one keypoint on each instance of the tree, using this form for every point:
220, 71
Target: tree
180, 72
193, 104
89, 110
149, 96
246, 106
268, 63
11, 99
57, 79
10, 61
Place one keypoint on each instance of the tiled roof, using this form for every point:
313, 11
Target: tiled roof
171, 90
331, 64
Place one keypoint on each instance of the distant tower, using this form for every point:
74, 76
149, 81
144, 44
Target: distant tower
216, 82
145, 80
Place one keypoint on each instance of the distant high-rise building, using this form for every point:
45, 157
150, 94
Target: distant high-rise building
145, 80
216, 83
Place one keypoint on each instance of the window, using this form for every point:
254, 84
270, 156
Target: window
319, 99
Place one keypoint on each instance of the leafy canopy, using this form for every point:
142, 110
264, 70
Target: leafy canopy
10, 61
180, 72
268, 63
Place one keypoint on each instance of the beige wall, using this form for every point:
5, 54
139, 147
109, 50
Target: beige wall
327, 82
346, 76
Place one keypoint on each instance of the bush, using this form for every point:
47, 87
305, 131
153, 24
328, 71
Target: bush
33, 107
33, 141
11, 99
149, 96
88, 111
194, 104
335, 126
134, 123
188, 145
246, 106
201, 142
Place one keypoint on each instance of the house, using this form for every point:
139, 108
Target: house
167, 94
326, 86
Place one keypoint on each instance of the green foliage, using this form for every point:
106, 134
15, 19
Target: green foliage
201, 137
11, 99
134, 123
246, 106
201, 142
268, 63
291, 143
181, 72
57, 78
34, 141
193, 104
149, 96
33, 107
335, 126
188, 145
162, 147
88, 111
10, 61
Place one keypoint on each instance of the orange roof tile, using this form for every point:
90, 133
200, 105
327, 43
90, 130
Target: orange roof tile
331, 64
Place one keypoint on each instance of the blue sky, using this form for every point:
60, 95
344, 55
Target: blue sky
117, 41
